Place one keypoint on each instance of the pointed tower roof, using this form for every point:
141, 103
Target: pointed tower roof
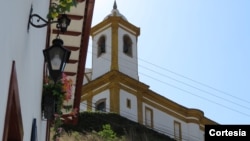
115, 12
115, 5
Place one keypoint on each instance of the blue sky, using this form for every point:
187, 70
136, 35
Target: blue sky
194, 52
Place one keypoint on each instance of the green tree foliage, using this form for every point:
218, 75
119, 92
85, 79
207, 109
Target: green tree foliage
107, 133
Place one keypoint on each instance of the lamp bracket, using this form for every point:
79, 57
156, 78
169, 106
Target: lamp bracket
38, 18
62, 22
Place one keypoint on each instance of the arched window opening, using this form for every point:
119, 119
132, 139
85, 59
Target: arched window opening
101, 105
127, 45
101, 45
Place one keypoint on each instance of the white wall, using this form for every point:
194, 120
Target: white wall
127, 65
25, 48
130, 113
102, 64
102, 95
194, 132
164, 123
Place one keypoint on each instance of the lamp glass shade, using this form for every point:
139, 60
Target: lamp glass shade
56, 57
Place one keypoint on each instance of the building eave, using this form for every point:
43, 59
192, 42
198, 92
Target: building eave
114, 20
75, 39
189, 115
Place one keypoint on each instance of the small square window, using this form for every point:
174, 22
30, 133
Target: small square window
129, 103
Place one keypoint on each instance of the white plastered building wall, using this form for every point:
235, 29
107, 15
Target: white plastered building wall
101, 64
127, 64
25, 48
104, 95
164, 123
128, 112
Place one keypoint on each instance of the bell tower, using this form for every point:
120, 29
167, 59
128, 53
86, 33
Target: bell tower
114, 46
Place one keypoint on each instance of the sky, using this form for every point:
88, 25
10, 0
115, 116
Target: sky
193, 52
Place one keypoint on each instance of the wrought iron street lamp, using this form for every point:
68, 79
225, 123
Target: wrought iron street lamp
56, 57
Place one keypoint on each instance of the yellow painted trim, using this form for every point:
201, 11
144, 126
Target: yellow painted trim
175, 114
89, 102
115, 98
114, 51
130, 26
131, 91
202, 128
143, 94
139, 106
99, 30
94, 30
114, 20
103, 80
130, 31
94, 91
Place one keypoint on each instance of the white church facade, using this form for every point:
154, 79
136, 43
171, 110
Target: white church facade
112, 85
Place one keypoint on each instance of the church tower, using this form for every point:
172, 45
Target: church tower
114, 46
112, 85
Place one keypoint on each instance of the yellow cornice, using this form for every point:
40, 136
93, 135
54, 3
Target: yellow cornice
115, 20
128, 89
114, 51
176, 110
192, 115
110, 76
95, 90
147, 96
95, 84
